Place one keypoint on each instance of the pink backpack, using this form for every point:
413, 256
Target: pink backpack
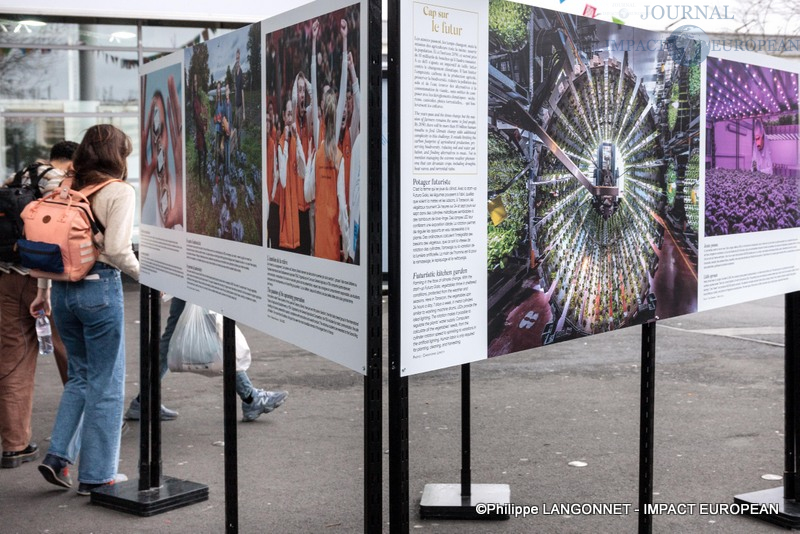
62, 238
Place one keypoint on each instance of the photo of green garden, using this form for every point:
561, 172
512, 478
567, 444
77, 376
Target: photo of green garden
223, 137
593, 176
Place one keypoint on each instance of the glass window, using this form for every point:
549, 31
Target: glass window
30, 138
36, 75
174, 38
31, 31
37, 32
108, 35
116, 77
27, 140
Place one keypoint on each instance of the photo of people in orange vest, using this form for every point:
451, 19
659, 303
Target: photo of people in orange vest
312, 123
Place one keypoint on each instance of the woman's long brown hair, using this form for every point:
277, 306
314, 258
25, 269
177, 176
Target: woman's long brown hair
101, 156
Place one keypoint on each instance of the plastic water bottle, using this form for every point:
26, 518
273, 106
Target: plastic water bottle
44, 333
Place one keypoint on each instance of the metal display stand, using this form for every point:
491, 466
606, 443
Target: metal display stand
373, 380
229, 417
785, 497
152, 493
459, 501
398, 385
398, 443
452, 501
646, 426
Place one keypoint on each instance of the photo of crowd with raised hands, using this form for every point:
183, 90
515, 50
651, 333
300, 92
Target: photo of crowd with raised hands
313, 136
223, 137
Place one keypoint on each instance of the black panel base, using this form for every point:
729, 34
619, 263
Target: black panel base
126, 497
788, 515
444, 501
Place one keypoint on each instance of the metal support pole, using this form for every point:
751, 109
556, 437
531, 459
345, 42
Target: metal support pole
373, 449
466, 469
646, 426
150, 389
144, 393
792, 400
229, 410
154, 387
398, 385
398, 449
373, 380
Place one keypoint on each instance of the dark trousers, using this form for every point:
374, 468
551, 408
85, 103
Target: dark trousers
273, 226
305, 233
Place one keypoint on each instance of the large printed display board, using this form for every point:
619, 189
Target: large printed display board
558, 182
443, 137
253, 152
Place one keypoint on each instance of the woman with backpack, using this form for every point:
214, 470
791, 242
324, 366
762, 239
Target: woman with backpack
89, 316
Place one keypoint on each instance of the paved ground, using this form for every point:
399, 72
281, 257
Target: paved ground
719, 429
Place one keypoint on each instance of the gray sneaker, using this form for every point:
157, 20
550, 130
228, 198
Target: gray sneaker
263, 402
134, 412
55, 470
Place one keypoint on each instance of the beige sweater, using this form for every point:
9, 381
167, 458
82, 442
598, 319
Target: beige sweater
114, 207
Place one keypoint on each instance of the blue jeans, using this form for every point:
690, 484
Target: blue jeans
244, 387
89, 316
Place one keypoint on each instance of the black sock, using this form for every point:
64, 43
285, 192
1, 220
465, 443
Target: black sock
248, 400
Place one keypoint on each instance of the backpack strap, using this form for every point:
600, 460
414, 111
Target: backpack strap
95, 223
33, 175
92, 189
87, 191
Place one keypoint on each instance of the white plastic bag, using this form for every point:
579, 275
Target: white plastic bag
196, 344
242, 348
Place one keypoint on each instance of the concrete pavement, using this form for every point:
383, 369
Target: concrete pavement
719, 428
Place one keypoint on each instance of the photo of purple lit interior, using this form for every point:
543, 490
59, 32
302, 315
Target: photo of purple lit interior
752, 167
